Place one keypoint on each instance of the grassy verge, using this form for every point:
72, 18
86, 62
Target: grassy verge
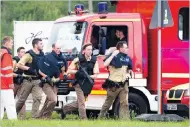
73, 121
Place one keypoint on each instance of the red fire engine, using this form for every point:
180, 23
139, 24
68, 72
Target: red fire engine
74, 30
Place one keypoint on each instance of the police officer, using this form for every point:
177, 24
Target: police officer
18, 78
56, 64
120, 65
89, 63
28, 63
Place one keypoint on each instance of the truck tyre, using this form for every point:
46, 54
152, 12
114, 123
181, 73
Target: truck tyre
137, 105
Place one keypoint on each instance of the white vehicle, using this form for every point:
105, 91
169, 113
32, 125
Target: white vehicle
26, 31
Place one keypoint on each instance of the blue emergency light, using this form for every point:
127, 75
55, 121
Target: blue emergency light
79, 6
102, 7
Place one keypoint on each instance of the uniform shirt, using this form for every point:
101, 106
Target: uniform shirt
123, 39
74, 66
119, 74
27, 58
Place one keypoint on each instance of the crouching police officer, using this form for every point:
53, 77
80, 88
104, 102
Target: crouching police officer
85, 68
18, 78
120, 65
50, 68
28, 63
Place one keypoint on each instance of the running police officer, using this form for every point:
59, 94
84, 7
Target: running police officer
120, 65
85, 67
50, 68
28, 63
18, 78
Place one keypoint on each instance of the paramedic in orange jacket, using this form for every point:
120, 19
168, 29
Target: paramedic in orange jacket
6, 87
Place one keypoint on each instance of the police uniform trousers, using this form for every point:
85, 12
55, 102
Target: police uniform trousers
79, 104
122, 92
17, 92
51, 101
30, 86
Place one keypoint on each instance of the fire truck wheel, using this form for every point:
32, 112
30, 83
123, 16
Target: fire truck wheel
137, 105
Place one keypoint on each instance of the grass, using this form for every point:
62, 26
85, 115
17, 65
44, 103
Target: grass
74, 121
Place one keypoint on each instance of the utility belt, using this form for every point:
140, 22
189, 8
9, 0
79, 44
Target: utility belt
111, 84
31, 78
49, 82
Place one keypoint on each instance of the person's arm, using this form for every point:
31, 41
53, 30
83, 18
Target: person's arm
65, 64
14, 68
63, 70
108, 61
72, 67
110, 50
130, 68
95, 71
42, 74
25, 59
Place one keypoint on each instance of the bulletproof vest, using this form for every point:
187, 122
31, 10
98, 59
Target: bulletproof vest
19, 71
120, 60
35, 60
87, 65
58, 59
48, 65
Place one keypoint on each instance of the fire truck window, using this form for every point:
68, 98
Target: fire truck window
109, 37
95, 37
115, 34
183, 24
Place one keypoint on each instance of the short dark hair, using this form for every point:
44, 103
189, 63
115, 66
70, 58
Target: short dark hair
35, 41
120, 44
86, 45
6, 38
53, 45
20, 48
120, 29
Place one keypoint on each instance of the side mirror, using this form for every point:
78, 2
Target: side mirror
96, 52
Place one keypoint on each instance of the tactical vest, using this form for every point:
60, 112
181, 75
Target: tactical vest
59, 60
19, 71
35, 60
87, 65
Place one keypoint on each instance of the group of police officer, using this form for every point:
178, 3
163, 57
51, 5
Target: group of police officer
36, 72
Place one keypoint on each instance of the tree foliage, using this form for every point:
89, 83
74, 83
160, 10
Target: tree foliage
35, 11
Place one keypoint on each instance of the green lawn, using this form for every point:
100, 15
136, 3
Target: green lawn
73, 120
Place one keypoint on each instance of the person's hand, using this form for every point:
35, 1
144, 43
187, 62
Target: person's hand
48, 79
55, 79
11, 86
115, 52
19, 76
110, 50
65, 77
128, 76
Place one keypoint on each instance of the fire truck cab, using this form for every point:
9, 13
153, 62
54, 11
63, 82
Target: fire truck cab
100, 29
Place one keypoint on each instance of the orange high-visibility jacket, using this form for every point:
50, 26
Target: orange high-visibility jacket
6, 69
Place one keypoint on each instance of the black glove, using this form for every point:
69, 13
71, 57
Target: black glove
65, 77
19, 79
19, 76
32, 71
48, 79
